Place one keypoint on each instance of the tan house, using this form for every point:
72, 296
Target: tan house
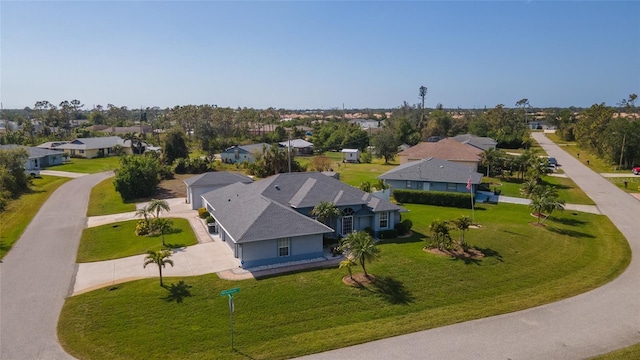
94, 147
445, 149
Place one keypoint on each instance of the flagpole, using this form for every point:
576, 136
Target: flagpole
470, 187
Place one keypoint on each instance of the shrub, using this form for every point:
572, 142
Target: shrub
438, 198
404, 227
142, 228
203, 213
137, 177
388, 234
210, 220
369, 231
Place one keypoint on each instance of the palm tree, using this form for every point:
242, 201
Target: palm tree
348, 263
361, 247
530, 187
325, 210
144, 212
156, 206
462, 223
163, 226
160, 258
553, 203
440, 233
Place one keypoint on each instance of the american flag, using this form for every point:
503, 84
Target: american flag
469, 183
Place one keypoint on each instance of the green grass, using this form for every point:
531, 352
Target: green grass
629, 353
19, 212
89, 166
118, 240
104, 200
310, 311
595, 163
633, 183
567, 189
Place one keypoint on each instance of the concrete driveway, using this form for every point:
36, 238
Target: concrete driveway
593, 323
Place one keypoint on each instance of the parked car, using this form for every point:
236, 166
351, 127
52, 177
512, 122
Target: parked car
636, 170
553, 161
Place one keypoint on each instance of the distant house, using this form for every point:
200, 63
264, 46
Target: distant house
482, 143
91, 147
269, 221
445, 149
350, 155
302, 147
366, 124
38, 158
243, 153
432, 175
203, 183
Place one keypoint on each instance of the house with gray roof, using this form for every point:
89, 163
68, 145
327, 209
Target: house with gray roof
269, 221
433, 175
479, 142
302, 147
209, 181
243, 153
38, 158
94, 147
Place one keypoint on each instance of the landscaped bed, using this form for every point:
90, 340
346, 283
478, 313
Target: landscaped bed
311, 311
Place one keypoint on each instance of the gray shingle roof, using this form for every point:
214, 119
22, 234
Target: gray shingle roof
94, 143
217, 178
34, 152
265, 209
482, 143
434, 170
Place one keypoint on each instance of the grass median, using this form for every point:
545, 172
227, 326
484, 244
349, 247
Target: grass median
310, 311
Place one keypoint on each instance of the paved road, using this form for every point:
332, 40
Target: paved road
36, 274
580, 327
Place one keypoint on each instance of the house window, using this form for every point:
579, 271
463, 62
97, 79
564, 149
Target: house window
283, 247
384, 220
81, 151
347, 221
236, 154
408, 184
452, 187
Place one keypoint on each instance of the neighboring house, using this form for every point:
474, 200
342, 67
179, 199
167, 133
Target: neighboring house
433, 175
351, 155
269, 221
203, 183
38, 157
445, 149
367, 124
301, 146
243, 153
94, 147
482, 143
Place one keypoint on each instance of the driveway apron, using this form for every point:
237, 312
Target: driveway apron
593, 323
37, 274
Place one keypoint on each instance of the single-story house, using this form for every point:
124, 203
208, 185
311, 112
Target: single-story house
93, 147
445, 149
301, 146
480, 142
433, 175
203, 183
351, 155
243, 153
269, 221
38, 158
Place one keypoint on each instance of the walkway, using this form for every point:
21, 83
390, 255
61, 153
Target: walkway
592, 209
580, 327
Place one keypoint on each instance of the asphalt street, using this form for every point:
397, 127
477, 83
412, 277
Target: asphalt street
593, 323
36, 275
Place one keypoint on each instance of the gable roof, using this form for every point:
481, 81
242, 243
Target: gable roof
260, 210
217, 178
445, 149
482, 143
34, 152
94, 143
296, 143
433, 170
249, 148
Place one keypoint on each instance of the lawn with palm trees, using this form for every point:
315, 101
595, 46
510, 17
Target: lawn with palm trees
309, 311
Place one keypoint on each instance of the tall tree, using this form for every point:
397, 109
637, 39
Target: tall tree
157, 206
361, 247
175, 146
385, 144
160, 258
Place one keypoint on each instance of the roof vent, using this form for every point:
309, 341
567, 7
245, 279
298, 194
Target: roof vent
277, 187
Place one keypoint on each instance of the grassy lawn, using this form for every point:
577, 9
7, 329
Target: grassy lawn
567, 189
89, 166
105, 200
633, 183
628, 353
18, 214
309, 311
119, 240
595, 163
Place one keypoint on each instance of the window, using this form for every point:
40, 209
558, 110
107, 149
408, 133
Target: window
384, 220
283, 247
347, 221
408, 184
452, 187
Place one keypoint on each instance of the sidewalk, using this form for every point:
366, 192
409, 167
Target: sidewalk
592, 209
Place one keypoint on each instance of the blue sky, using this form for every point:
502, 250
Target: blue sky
297, 55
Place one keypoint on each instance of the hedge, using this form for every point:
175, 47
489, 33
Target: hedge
387, 234
438, 198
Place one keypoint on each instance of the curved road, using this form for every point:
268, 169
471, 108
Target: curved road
36, 274
593, 323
